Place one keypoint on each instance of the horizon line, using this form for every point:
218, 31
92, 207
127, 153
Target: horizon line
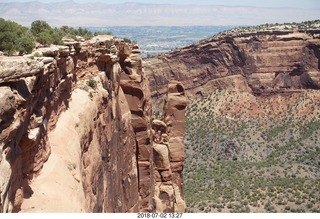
144, 3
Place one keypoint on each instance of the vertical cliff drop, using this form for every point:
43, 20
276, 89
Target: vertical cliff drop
169, 151
160, 148
76, 131
136, 89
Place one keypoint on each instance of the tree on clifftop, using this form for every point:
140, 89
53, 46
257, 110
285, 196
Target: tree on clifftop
44, 33
15, 38
39, 26
25, 43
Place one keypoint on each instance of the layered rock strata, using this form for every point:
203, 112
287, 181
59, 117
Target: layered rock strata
136, 89
76, 131
261, 62
32, 96
169, 151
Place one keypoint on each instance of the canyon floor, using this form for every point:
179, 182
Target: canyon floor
247, 153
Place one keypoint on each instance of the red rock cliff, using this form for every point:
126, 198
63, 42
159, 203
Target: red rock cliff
261, 62
76, 131
169, 151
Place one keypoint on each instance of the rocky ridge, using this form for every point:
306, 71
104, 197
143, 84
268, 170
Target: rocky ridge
252, 121
76, 121
261, 61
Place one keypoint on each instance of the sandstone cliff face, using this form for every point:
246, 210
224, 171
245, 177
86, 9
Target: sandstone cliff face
261, 62
76, 132
137, 93
31, 99
169, 151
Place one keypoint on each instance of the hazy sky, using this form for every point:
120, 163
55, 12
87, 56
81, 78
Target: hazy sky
215, 12
256, 3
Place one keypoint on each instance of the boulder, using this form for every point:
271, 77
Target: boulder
15, 68
161, 158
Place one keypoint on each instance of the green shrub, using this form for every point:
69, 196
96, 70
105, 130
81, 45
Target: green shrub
309, 205
92, 83
90, 95
127, 40
15, 38
25, 45
39, 26
36, 55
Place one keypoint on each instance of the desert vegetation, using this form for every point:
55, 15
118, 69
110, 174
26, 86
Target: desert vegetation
294, 26
253, 154
16, 39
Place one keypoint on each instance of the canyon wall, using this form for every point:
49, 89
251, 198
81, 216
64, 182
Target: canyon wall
77, 133
169, 151
262, 62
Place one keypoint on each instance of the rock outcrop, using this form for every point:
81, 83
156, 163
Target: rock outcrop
76, 132
32, 97
261, 62
136, 89
169, 151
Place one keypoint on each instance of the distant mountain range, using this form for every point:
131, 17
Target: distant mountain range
136, 14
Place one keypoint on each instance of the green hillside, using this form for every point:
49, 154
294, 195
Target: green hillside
253, 154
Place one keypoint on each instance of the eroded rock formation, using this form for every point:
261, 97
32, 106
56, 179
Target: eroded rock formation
261, 62
137, 93
76, 132
169, 151
32, 96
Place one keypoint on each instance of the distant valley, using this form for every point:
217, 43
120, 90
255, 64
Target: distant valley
154, 40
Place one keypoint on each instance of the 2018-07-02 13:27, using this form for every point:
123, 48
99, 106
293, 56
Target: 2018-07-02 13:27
159, 215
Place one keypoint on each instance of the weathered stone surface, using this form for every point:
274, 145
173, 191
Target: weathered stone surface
52, 51
180, 205
4, 182
176, 148
134, 95
161, 157
139, 123
97, 140
177, 166
7, 105
33, 99
137, 92
14, 68
157, 176
143, 141
132, 64
159, 125
164, 198
169, 157
160, 131
174, 113
102, 40
166, 176
245, 62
